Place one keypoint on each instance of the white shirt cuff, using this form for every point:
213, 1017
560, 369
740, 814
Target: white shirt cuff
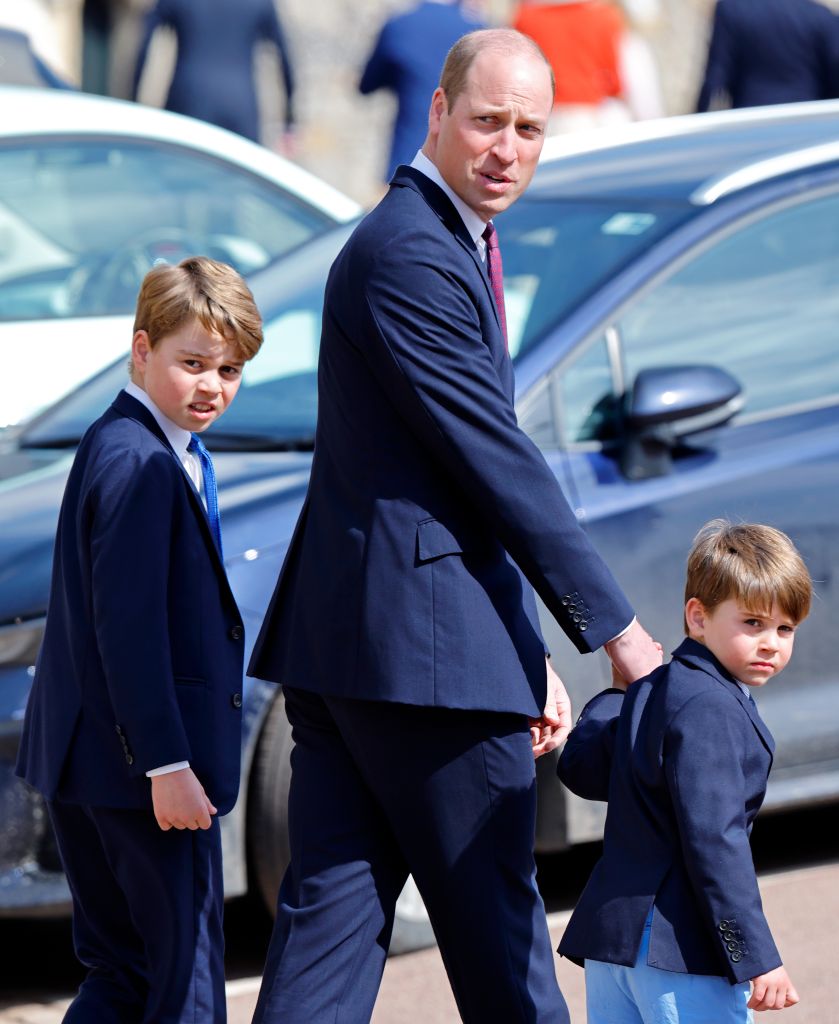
166, 769
624, 630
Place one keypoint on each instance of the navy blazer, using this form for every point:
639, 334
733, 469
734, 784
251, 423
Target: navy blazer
407, 58
771, 51
683, 760
141, 661
397, 584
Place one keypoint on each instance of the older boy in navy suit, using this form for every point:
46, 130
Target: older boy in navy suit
670, 924
133, 727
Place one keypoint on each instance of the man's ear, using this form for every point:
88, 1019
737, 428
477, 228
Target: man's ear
695, 615
439, 107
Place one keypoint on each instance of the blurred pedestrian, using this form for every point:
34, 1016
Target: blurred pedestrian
770, 51
30, 53
214, 70
583, 41
406, 60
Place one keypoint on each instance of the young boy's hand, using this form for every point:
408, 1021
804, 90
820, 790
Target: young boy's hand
772, 991
179, 801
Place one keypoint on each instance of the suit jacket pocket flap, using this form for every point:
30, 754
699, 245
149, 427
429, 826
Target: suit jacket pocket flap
434, 540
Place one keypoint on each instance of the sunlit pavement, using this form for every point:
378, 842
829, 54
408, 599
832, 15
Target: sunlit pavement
802, 906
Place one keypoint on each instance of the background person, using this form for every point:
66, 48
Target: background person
406, 640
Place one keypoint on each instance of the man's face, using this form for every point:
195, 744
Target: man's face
487, 145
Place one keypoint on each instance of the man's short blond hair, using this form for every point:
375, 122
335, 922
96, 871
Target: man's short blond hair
756, 565
505, 42
201, 289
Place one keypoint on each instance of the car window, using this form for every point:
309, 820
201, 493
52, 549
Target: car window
762, 303
82, 221
556, 252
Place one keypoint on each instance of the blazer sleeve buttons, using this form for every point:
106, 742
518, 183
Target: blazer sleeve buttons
236, 633
236, 700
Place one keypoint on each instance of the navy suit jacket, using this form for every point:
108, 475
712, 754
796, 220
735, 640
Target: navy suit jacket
214, 76
397, 585
771, 51
407, 59
143, 648
683, 760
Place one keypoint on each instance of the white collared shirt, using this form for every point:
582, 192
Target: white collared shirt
475, 226
179, 439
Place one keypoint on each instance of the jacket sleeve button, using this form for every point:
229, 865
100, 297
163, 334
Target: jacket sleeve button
236, 633
129, 760
236, 700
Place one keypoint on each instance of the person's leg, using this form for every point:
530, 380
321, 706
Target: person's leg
608, 1000
665, 997
458, 789
336, 903
147, 917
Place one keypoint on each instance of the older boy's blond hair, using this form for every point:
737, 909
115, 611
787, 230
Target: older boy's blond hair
754, 564
201, 289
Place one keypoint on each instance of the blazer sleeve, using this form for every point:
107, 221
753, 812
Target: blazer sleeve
704, 755
130, 513
585, 763
425, 345
719, 68
379, 71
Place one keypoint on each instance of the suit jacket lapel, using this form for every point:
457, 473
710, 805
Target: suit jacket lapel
410, 177
697, 655
125, 405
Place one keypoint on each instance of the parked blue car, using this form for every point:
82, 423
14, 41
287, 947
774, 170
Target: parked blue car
673, 310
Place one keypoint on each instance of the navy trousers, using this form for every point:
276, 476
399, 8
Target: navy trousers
147, 917
382, 790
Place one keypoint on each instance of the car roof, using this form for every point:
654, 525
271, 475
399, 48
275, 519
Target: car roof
34, 113
696, 158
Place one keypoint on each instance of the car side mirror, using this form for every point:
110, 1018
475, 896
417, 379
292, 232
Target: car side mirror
667, 403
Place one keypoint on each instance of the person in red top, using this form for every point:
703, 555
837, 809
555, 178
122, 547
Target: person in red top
582, 40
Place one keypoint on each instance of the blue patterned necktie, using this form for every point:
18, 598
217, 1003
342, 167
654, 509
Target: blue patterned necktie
196, 447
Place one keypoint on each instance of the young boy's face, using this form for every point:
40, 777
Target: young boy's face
190, 375
752, 646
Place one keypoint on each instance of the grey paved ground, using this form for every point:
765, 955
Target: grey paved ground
802, 906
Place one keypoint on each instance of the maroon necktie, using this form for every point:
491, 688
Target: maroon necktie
496, 274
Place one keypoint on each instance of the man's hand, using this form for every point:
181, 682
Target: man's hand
634, 654
547, 732
772, 991
179, 801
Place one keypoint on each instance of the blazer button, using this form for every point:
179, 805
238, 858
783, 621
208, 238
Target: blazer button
129, 759
236, 700
583, 627
119, 730
236, 633
724, 926
736, 958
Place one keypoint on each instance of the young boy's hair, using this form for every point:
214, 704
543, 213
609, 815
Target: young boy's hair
754, 564
202, 289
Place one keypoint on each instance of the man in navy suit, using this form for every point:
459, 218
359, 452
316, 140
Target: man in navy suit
401, 627
670, 924
770, 51
133, 725
406, 59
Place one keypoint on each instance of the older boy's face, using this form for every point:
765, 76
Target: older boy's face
753, 646
190, 375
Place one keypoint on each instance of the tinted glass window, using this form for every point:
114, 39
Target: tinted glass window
557, 252
763, 303
81, 222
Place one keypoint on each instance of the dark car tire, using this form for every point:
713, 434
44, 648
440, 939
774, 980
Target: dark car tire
268, 849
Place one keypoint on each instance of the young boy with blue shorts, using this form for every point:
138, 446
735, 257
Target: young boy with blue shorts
670, 925
133, 727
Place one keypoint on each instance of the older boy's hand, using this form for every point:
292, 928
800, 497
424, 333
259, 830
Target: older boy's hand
772, 991
180, 802
547, 732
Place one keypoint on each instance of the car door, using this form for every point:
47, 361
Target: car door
759, 299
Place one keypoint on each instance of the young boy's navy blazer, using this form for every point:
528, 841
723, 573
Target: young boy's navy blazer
141, 663
683, 760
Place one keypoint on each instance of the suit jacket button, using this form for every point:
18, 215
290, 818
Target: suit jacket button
236, 700
119, 730
583, 627
736, 958
236, 633
724, 926
129, 759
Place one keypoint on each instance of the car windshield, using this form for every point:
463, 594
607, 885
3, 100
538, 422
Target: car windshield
81, 221
555, 254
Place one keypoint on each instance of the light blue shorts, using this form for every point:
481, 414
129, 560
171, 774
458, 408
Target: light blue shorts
647, 995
